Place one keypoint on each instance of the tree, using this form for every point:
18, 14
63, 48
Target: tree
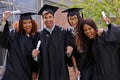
93, 9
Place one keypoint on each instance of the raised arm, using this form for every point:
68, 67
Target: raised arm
113, 33
4, 23
5, 28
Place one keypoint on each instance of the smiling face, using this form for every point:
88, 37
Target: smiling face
27, 26
89, 31
48, 20
73, 20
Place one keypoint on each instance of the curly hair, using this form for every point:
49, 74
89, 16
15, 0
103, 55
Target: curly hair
34, 27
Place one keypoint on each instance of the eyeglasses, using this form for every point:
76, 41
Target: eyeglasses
74, 18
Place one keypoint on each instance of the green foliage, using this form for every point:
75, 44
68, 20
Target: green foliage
93, 9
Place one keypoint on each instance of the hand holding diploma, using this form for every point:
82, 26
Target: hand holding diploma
106, 19
6, 15
76, 72
11, 12
78, 78
36, 51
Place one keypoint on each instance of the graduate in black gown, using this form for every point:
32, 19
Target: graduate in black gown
20, 45
105, 50
82, 57
54, 39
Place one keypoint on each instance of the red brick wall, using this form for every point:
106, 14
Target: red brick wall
61, 19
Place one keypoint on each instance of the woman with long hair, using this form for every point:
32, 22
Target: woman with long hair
81, 59
105, 49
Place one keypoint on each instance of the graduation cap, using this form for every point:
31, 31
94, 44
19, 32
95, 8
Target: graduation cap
26, 16
73, 11
47, 9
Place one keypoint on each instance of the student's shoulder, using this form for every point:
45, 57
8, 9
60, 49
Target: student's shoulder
40, 31
60, 28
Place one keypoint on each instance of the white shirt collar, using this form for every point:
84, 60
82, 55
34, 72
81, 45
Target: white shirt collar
50, 30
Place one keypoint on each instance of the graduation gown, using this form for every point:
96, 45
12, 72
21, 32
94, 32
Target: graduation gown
84, 64
83, 61
106, 53
19, 60
52, 58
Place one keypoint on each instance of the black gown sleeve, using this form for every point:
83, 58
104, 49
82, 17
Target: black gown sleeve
6, 27
37, 37
69, 41
4, 41
70, 38
112, 34
35, 66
